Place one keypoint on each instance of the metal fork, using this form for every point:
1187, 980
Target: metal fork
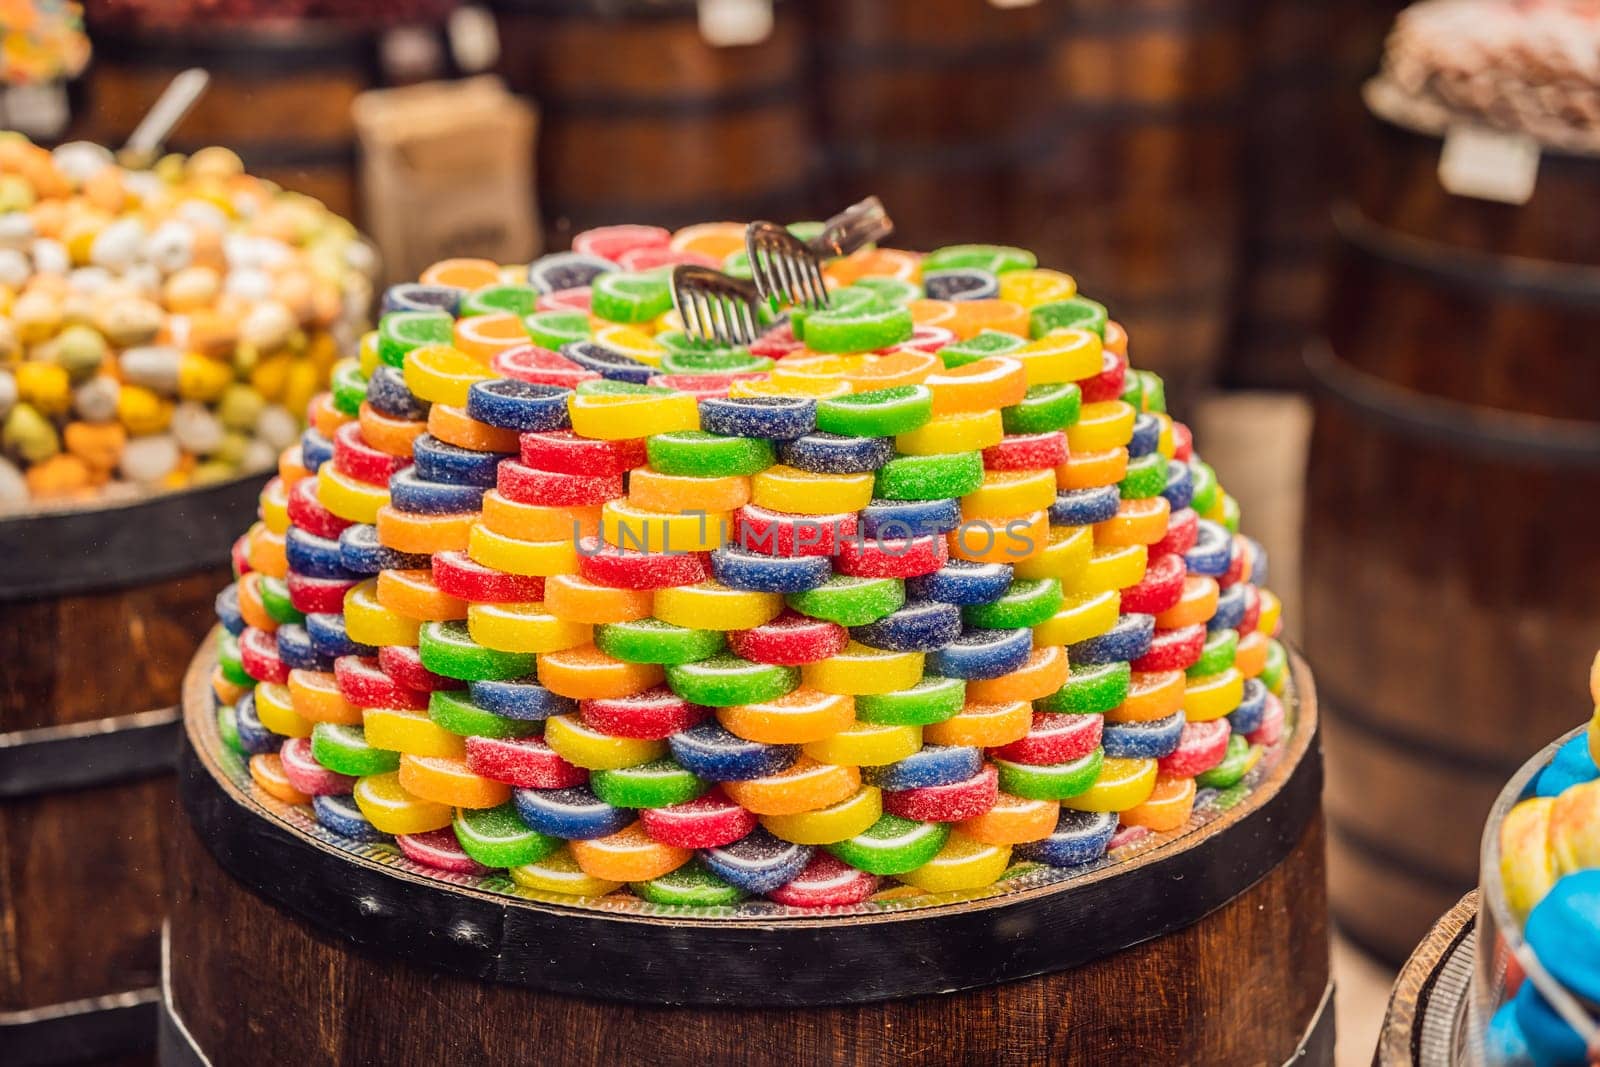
788, 270
715, 306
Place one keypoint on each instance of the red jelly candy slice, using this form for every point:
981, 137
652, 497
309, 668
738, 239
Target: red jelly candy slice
403, 664
353, 456
565, 451
525, 762
703, 386
1173, 650
307, 512
1107, 385
1159, 589
303, 771
362, 682
1270, 732
440, 850
1183, 530
458, 575
892, 557
1182, 442
1201, 748
530, 363
610, 242
778, 533
258, 653
652, 715
1252, 611
826, 882
626, 568
946, 803
790, 640
777, 342
1054, 739
318, 595
710, 821
529, 485
1027, 452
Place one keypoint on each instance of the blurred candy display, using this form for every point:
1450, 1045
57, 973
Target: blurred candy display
188, 13
1531, 65
159, 328
1550, 880
41, 41
916, 588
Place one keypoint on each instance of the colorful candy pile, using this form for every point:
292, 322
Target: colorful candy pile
41, 41
917, 587
159, 328
1550, 872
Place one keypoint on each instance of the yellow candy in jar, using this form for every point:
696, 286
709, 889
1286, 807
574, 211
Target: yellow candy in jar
1575, 828
202, 379
141, 410
1527, 864
46, 386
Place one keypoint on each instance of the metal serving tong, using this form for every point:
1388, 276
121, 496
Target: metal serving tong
181, 94
786, 270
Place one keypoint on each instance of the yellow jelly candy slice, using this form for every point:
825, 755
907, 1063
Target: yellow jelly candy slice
860, 670
349, 499
621, 417
583, 746
368, 622
560, 873
962, 864
524, 628
867, 745
836, 822
1123, 784
1213, 696
626, 525
799, 492
966, 431
275, 709
1110, 568
411, 732
1064, 355
1065, 556
710, 605
392, 810
1107, 424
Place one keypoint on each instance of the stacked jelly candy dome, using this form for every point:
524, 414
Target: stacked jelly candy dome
159, 328
1550, 876
918, 588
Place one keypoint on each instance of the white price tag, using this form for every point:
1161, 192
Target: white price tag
726, 23
1489, 164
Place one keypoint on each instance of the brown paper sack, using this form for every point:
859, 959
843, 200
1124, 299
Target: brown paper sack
446, 171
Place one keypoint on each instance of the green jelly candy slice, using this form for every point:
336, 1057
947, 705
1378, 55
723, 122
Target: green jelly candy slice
877, 413
890, 290
849, 299
934, 699
938, 477
518, 300
552, 329
1146, 477
984, 344
892, 845
691, 885
1044, 408
654, 641
996, 259
344, 750
877, 326
708, 455
1216, 655
275, 598
656, 784
1235, 761
496, 837
676, 341
608, 387
447, 649
850, 601
1055, 781
1077, 311
1153, 395
229, 660
401, 331
714, 361
1133, 391
1230, 513
632, 298
1204, 497
1276, 672
1090, 690
454, 711
724, 680
737, 265
1028, 602
349, 387
228, 728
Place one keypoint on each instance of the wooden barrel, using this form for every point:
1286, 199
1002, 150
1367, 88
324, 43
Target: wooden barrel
1450, 571
644, 121
99, 613
286, 946
1309, 60
1428, 1001
280, 97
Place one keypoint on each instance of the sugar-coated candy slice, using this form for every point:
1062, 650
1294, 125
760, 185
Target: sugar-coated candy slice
931, 700
892, 845
407, 730
497, 837
1026, 602
1054, 738
1212, 551
1216, 653
963, 582
758, 862
524, 762
1201, 746
692, 885
539, 366
1178, 488
585, 672
519, 698
961, 283
1167, 808
343, 749
708, 821
877, 412
1050, 781
523, 484
1012, 821
961, 864
413, 595
859, 669
979, 346
454, 710
771, 418
739, 568
607, 361
1029, 452
227, 606
1144, 738
825, 882
1174, 649
826, 825
229, 663
523, 628
1091, 689
1183, 532
517, 405
1121, 784
410, 492
654, 641
803, 492
331, 637
1044, 409
1045, 671
1160, 589
797, 717
258, 653
557, 328
1248, 717
1092, 470
983, 654
918, 626
1240, 758
1275, 674
310, 555
898, 519
340, 814
711, 752
656, 784
255, 738
302, 770
1127, 640
439, 850
776, 533
946, 802
1004, 540
891, 557
559, 873
860, 329
1213, 696
654, 714
850, 601
1146, 435
932, 765
827, 453
723, 680
275, 708
576, 599
457, 574
414, 296
448, 780
1079, 837
447, 648
623, 416
629, 855
400, 332
275, 599
626, 525
573, 814
653, 491
437, 461
929, 477
696, 453
805, 786
1232, 603
361, 552
391, 809
629, 569
454, 426
1137, 522
866, 745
